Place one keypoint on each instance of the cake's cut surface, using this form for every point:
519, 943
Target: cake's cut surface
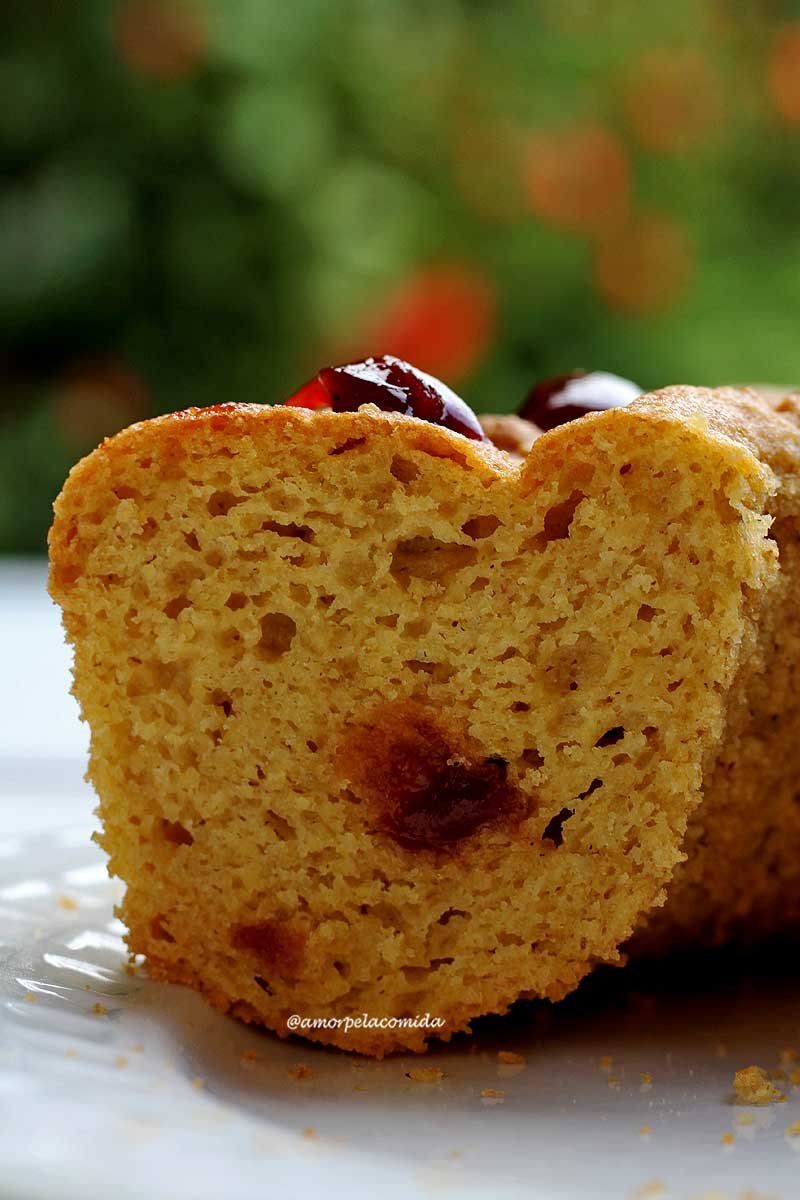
386, 722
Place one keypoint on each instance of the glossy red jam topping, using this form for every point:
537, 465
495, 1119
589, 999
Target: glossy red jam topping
567, 397
310, 395
391, 385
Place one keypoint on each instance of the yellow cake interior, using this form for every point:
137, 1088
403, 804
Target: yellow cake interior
277, 615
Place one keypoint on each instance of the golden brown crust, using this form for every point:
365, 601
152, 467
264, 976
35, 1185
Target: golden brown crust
765, 426
245, 585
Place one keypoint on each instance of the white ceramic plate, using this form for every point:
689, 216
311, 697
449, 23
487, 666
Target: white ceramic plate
153, 1094
110, 1103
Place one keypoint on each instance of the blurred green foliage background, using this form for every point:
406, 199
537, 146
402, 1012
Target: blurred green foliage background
203, 202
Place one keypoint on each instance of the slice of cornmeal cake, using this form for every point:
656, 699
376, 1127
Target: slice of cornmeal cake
387, 721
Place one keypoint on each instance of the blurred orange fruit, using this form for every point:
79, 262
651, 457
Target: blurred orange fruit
783, 73
164, 39
577, 178
644, 266
673, 99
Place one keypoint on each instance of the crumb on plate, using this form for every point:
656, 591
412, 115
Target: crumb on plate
649, 1190
754, 1086
510, 1057
425, 1074
300, 1071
